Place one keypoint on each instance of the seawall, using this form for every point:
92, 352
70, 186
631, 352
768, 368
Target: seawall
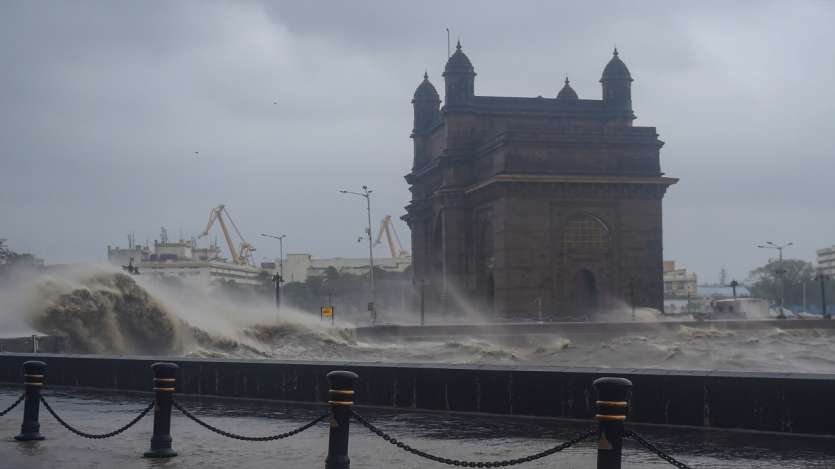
580, 329
779, 402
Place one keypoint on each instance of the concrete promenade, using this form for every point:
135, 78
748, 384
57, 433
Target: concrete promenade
774, 402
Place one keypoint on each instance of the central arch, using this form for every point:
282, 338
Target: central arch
586, 247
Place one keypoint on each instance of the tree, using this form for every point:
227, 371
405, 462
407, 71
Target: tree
13, 260
764, 282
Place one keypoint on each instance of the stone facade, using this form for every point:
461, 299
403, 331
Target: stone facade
522, 205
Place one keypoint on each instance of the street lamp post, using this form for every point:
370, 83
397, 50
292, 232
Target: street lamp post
279, 279
822, 278
423, 302
780, 271
367, 195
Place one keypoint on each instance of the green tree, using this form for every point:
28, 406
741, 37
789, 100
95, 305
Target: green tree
765, 282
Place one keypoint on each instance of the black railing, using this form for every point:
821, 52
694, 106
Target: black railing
613, 396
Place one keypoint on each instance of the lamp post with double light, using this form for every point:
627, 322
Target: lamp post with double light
366, 194
279, 278
780, 270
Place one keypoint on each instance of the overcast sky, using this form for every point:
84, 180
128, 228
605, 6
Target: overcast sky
104, 104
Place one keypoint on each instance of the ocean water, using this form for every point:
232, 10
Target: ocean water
102, 311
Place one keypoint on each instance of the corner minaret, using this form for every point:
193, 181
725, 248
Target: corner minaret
459, 77
426, 103
617, 88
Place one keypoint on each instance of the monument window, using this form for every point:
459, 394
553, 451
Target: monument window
585, 233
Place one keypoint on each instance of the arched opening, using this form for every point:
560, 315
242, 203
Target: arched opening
586, 245
584, 294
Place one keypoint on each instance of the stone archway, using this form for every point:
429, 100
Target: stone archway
586, 262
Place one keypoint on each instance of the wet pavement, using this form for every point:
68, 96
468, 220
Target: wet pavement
455, 436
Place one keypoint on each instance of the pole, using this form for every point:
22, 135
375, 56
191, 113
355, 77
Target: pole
780, 272
33, 379
803, 294
280, 278
165, 378
822, 278
612, 405
281, 259
371, 305
367, 194
423, 302
341, 398
277, 279
782, 284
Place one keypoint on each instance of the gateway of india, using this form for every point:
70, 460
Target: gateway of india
529, 206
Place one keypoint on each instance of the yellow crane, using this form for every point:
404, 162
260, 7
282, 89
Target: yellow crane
396, 248
242, 256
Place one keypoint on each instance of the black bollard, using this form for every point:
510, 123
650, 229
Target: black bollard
165, 379
33, 374
341, 398
612, 404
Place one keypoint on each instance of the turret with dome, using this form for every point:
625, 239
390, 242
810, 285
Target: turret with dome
427, 106
617, 86
459, 78
567, 93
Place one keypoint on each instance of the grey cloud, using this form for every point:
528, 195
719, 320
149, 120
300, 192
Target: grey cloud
104, 103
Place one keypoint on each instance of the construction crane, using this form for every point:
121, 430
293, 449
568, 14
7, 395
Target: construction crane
242, 256
396, 248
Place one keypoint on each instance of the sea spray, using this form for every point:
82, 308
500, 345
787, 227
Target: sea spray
104, 313
101, 310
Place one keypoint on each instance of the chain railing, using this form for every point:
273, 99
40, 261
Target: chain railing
658, 451
235, 436
97, 436
612, 406
463, 463
14, 404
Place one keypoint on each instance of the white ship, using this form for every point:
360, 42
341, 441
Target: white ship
184, 259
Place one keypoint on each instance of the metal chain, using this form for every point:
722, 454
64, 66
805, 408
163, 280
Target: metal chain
97, 436
457, 462
243, 437
9, 409
661, 454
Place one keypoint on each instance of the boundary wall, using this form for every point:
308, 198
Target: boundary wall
777, 402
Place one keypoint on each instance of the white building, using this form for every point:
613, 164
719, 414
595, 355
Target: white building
298, 267
826, 260
678, 283
184, 260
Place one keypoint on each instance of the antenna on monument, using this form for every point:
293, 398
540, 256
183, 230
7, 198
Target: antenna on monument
448, 53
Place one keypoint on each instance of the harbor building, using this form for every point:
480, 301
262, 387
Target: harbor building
298, 267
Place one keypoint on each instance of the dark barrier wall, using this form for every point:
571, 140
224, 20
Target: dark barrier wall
781, 402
